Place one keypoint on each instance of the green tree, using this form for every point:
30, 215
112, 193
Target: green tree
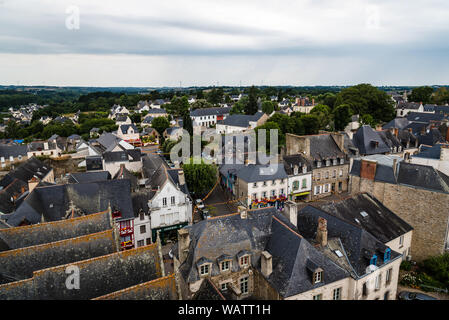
267, 107
215, 96
368, 120
421, 94
160, 124
178, 106
441, 96
342, 116
200, 178
201, 103
366, 99
270, 126
323, 113
311, 123
251, 107
187, 124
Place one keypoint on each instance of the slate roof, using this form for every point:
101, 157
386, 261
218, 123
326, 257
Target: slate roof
125, 155
399, 123
240, 120
121, 118
157, 110
442, 109
7, 151
125, 127
430, 137
94, 163
83, 177
107, 140
148, 120
263, 230
255, 172
208, 291
409, 105
53, 202
297, 159
358, 245
430, 152
410, 174
210, 111
424, 117
365, 140
323, 147
382, 223
422, 176
124, 173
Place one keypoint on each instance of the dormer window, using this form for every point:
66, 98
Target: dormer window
204, 269
318, 164
328, 163
373, 260
387, 255
342, 161
295, 170
244, 261
225, 265
304, 169
334, 162
317, 276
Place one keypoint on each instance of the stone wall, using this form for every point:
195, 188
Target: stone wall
426, 211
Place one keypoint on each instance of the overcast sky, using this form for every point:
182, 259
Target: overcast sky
210, 42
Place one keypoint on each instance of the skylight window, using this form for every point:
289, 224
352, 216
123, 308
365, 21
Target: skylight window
357, 220
338, 253
364, 214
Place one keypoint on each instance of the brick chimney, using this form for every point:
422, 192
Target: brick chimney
182, 180
321, 232
291, 212
183, 244
368, 169
266, 263
32, 183
396, 132
395, 165
242, 211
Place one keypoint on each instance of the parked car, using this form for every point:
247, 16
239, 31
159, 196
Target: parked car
407, 295
205, 214
199, 203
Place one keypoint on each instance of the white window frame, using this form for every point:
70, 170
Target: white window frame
337, 294
204, 269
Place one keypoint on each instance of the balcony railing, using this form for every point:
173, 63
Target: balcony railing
126, 230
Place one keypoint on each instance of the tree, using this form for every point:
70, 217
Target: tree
323, 113
251, 107
269, 126
187, 124
342, 116
160, 124
135, 117
240, 106
421, 94
179, 106
311, 123
368, 120
215, 96
441, 96
201, 103
267, 107
200, 178
366, 99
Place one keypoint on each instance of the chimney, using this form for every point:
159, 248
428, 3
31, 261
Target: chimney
32, 183
183, 244
242, 211
395, 165
396, 132
321, 232
368, 169
291, 212
303, 102
181, 178
266, 263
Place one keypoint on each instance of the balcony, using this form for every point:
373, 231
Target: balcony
126, 230
127, 244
